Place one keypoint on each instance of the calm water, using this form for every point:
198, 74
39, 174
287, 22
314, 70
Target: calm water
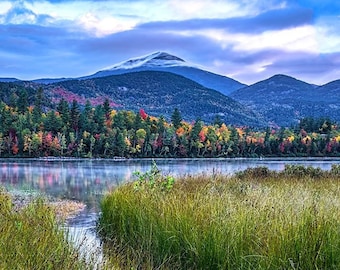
87, 180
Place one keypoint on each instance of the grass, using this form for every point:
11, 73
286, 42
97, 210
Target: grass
257, 219
32, 238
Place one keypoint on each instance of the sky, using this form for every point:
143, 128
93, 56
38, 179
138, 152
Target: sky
247, 40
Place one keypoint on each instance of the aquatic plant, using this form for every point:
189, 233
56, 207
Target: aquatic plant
153, 180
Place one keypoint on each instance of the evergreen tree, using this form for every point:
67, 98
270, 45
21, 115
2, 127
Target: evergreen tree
120, 143
75, 116
196, 129
13, 98
37, 110
22, 102
161, 124
86, 118
64, 111
107, 109
52, 123
99, 120
176, 118
217, 120
119, 121
138, 122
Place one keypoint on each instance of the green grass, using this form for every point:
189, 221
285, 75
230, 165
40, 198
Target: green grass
257, 219
32, 238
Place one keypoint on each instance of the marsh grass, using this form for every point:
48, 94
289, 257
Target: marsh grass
255, 220
32, 238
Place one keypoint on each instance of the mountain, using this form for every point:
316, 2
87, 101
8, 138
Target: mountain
158, 61
8, 80
284, 100
162, 61
158, 93
330, 92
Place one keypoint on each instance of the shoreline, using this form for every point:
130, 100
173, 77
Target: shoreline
64, 208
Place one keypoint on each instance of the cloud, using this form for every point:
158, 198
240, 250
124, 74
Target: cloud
247, 40
19, 14
271, 20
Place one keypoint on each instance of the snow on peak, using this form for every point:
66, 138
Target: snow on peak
157, 59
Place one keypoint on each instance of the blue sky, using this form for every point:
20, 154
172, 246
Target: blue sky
248, 40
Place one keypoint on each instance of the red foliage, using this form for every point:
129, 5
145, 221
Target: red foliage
282, 147
202, 135
60, 92
15, 149
329, 147
47, 140
143, 114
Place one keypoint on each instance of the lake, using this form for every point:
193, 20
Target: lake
87, 180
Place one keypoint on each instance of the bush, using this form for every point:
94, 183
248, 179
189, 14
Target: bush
257, 172
153, 180
335, 170
300, 171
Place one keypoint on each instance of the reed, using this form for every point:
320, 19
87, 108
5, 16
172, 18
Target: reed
255, 220
32, 238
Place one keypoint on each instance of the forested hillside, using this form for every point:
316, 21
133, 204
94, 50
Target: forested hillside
160, 93
284, 100
32, 130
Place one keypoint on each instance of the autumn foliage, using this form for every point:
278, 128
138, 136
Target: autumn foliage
101, 130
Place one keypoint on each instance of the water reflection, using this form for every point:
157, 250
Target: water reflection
87, 180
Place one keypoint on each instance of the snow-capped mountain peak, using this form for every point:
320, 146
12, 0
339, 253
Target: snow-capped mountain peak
157, 59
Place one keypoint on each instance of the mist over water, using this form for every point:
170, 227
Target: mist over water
88, 180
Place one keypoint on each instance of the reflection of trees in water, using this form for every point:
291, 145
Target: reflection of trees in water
10, 174
88, 180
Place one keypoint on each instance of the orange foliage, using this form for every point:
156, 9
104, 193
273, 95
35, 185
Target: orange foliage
180, 131
15, 149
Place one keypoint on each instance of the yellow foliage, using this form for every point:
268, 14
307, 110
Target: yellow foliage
127, 141
290, 138
113, 113
337, 138
86, 134
240, 132
306, 140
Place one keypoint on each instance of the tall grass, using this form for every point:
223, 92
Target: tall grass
32, 239
255, 220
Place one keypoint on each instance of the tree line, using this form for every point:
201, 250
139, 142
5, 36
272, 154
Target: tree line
70, 130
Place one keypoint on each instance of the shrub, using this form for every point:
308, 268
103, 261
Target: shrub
257, 172
153, 180
301, 171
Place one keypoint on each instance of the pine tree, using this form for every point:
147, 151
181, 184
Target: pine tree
176, 118
64, 111
52, 123
22, 102
86, 118
99, 120
107, 109
74, 116
37, 110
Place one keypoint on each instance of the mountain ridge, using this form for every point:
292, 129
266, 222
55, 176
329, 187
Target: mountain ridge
159, 93
161, 61
284, 100
280, 100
